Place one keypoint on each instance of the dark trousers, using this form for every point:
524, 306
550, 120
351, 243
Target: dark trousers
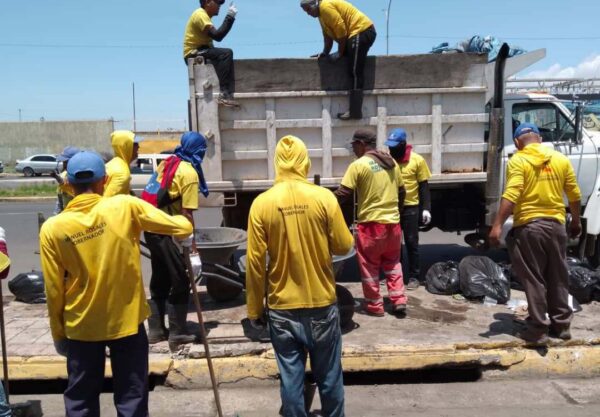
222, 60
538, 252
129, 364
169, 279
357, 49
409, 221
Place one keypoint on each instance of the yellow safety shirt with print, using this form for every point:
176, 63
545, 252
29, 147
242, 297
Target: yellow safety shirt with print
195, 36
536, 179
377, 190
90, 257
414, 172
340, 19
185, 185
300, 225
118, 174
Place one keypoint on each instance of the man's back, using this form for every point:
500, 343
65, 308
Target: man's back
90, 257
340, 18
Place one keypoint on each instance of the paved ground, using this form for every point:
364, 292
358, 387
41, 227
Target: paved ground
533, 398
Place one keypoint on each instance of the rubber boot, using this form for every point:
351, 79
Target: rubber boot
157, 332
178, 332
356, 101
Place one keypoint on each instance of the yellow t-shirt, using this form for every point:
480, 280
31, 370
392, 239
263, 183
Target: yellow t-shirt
536, 179
90, 257
340, 19
194, 32
185, 184
377, 190
413, 172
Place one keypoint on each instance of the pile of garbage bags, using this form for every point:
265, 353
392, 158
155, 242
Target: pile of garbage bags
28, 287
478, 44
479, 277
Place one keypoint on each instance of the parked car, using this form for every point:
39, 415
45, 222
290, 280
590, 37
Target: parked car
37, 165
143, 168
1, 167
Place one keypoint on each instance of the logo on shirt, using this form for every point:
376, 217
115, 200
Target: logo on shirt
293, 210
90, 233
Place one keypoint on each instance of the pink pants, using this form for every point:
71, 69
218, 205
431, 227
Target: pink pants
378, 248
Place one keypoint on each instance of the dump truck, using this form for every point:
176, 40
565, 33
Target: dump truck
452, 106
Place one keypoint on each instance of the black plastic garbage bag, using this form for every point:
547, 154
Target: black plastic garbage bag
28, 287
584, 284
515, 282
442, 278
482, 277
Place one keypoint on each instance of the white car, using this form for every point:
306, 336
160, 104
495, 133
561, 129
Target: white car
37, 165
1, 167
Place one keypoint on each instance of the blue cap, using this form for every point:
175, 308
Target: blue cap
525, 128
68, 153
395, 138
85, 168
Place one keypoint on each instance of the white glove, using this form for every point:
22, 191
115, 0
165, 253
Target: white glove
61, 347
2, 234
232, 11
187, 242
196, 264
426, 217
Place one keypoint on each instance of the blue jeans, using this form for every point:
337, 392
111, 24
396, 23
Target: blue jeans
4, 407
315, 331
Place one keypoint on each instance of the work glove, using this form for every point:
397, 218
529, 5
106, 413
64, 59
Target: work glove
184, 243
61, 347
232, 11
335, 56
426, 217
196, 263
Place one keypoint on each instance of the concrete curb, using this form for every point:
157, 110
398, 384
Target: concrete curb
504, 360
26, 199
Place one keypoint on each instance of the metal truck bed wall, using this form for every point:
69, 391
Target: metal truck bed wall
438, 99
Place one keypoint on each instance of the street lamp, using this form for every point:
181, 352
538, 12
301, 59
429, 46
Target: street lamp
387, 32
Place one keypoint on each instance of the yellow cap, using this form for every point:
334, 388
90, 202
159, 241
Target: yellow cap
4, 262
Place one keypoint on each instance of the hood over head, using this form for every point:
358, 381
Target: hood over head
536, 154
384, 159
122, 144
291, 159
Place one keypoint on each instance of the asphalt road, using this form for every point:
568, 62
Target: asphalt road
20, 220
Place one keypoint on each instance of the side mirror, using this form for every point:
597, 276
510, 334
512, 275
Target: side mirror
578, 123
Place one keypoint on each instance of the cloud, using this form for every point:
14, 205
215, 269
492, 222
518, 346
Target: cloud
588, 68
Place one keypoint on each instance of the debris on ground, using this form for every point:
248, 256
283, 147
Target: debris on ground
28, 287
442, 278
481, 277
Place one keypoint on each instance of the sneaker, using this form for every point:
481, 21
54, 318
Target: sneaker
399, 309
228, 102
378, 313
533, 337
564, 334
413, 284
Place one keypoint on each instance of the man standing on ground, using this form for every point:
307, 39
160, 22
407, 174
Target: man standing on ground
91, 262
125, 144
65, 192
378, 181
354, 33
198, 41
169, 285
299, 226
417, 204
536, 179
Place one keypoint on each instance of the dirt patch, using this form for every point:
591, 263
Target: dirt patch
452, 307
418, 312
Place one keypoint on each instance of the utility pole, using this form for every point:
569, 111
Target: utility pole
387, 32
133, 91
20, 118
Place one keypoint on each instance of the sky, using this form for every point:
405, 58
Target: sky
77, 59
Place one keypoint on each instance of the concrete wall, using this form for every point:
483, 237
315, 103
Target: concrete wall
21, 139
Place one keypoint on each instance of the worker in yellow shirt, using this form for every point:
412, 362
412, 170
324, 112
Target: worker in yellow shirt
200, 33
300, 226
354, 33
536, 179
169, 285
377, 180
125, 145
65, 192
90, 257
417, 204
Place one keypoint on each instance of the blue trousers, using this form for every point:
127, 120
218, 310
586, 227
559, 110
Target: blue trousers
315, 331
4, 407
129, 363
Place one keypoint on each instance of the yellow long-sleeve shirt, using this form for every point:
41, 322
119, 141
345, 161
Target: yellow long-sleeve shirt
341, 20
536, 179
299, 225
91, 262
118, 174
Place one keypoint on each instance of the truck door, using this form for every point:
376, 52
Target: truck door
558, 131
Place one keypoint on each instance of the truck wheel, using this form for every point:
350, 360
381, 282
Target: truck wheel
28, 172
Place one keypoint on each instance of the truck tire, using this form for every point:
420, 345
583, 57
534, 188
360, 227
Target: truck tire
28, 172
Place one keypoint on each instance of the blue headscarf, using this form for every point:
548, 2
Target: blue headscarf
192, 150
